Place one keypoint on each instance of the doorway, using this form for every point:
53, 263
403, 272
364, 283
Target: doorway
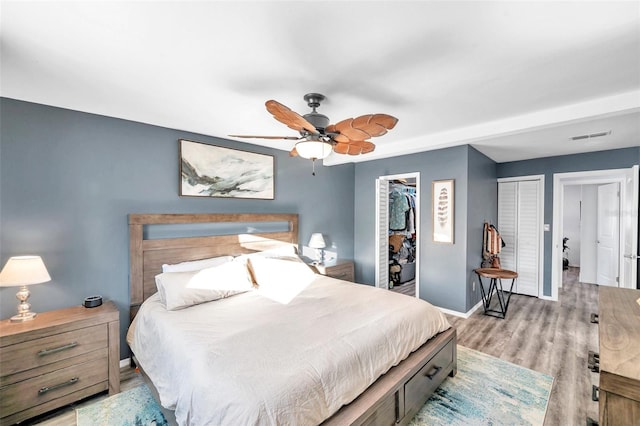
591, 233
624, 249
398, 268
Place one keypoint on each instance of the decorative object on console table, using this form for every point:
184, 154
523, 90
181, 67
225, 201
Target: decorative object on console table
619, 336
214, 171
442, 211
317, 242
58, 358
341, 269
23, 271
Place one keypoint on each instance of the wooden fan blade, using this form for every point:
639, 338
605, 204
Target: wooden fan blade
363, 127
341, 148
288, 117
365, 146
365, 124
354, 147
384, 120
345, 128
341, 138
293, 152
287, 138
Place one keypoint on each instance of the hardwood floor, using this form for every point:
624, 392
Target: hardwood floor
408, 288
550, 337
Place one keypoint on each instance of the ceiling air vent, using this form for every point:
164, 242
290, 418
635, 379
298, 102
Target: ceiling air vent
592, 135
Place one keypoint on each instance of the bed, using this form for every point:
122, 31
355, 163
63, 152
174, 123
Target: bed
260, 356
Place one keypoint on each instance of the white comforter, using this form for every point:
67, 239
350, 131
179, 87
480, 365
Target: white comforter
250, 360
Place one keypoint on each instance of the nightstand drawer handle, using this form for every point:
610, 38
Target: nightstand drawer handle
58, 349
58, 386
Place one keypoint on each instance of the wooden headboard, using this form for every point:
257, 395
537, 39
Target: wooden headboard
146, 256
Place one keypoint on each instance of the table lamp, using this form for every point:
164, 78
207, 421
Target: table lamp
23, 271
317, 242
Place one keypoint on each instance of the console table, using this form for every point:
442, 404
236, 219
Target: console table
496, 276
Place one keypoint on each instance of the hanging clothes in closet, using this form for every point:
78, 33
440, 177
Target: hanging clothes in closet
402, 233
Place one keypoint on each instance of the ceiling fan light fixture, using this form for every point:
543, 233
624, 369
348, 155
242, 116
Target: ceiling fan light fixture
314, 150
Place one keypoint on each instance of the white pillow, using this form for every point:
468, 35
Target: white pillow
278, 279
179, 290
196, 265
288, 253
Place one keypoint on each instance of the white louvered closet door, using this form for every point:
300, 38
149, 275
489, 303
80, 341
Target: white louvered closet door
382, 233
507, 215
519, 225
527, 257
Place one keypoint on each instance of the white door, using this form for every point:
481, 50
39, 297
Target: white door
630, 220
528, 257
382, 233
519, 217
508, 223
608, 234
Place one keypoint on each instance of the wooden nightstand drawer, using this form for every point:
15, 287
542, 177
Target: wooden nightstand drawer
340, 269
47, 350
56, 384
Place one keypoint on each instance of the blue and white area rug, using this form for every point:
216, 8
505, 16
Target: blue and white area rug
134, 407
485, 391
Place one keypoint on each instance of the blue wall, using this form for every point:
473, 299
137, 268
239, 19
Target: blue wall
482, 207
601, 160
69, 179
442, 281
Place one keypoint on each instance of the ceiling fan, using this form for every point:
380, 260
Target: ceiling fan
318, 138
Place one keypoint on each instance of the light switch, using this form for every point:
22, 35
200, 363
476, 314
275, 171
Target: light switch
547, 227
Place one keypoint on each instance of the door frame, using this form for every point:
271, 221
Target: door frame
540, 179
592, 177
385, 245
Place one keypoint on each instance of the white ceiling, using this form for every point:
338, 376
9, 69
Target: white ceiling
514, 79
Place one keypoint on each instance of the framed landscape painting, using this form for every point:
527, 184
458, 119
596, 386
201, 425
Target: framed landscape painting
214, 171
442, 194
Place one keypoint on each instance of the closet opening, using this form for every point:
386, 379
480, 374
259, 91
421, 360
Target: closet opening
397, 233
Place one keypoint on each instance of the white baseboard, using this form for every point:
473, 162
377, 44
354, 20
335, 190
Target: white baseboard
464, 315
553, 299
125, 362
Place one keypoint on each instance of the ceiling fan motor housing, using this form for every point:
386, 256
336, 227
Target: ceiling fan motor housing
319, 121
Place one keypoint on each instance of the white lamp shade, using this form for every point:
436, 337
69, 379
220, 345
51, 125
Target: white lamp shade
313, 149
24, 270
317, 241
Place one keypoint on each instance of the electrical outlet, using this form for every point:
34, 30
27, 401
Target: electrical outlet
473, 285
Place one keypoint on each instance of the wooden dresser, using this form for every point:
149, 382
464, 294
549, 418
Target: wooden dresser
619, 333
341, 269
58, 358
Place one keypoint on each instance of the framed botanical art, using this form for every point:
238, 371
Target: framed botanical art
443, 212
215, 171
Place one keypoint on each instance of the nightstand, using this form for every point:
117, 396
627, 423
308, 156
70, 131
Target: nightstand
58, 358
340, 268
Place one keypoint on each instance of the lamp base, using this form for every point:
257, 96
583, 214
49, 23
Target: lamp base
24, 307
25, 316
